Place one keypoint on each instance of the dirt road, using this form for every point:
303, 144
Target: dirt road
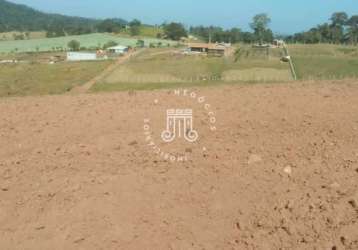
280, 171
86, 86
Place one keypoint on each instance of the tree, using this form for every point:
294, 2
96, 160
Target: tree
74, 45
234, 35
109, 26
134, 27
260, 24
175, 31
247, 37
341, 29
268, 36
140, 43
18, 36
109, 44
55, 29
353, 29
339, 20
2, 27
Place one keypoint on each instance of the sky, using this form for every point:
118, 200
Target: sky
288, 16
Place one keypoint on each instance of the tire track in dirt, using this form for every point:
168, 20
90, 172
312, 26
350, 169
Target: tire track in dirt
88, 85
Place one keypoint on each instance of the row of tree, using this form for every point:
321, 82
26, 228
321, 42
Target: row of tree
261, 33
14, 17
175, 31
341, 29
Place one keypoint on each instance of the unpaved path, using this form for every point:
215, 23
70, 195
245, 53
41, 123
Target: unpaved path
280, 172
87, 86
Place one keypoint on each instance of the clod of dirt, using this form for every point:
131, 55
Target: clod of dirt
353, 203
335, 185
188, 150
288, 170
79, 240
133, 143
343, 240
254, 159
4, 189
132, 93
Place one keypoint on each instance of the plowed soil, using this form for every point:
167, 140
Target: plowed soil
280, 171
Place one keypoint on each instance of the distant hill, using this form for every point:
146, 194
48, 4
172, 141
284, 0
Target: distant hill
18, 17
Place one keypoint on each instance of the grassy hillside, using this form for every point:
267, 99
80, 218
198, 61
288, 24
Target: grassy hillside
10, 36
146, 31
88, 41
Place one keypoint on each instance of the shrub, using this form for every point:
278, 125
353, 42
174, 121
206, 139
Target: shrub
109, 44
74, 45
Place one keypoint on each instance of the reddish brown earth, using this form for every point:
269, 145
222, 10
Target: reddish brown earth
280, 172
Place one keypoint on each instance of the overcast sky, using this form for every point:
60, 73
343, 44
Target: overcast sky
288, 16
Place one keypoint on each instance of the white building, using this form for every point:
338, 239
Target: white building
81, 56
119, 49
278, 43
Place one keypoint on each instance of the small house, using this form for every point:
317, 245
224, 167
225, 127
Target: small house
119, 49
198, 47
81, 56
278, 43
211, 49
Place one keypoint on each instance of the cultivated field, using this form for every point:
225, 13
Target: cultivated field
91, 41
280, 171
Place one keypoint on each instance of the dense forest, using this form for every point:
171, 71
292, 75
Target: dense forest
17, 17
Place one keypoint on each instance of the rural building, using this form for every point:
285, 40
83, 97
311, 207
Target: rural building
81, 56
278, 43
119, 49
211, 49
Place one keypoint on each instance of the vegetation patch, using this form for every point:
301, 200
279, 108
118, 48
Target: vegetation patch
325, 61
168, 68
90, 41
42, 79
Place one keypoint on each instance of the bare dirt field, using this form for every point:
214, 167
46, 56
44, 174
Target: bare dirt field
279, 172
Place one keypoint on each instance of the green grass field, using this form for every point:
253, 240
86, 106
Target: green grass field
324, 61
90, 41
168, 68
159, 70
146, 31
42, 79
